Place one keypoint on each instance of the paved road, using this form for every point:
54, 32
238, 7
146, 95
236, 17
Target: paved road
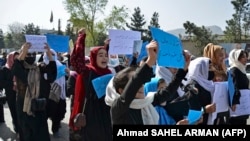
7, 133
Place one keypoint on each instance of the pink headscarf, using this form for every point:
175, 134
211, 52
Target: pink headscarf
10, 59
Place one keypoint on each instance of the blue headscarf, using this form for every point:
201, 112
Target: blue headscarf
164, 119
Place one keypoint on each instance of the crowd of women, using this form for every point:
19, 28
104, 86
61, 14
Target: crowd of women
137, 94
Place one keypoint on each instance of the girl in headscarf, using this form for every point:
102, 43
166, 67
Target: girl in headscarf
97, 113
200, 75
7, 81
57, 109
237, 62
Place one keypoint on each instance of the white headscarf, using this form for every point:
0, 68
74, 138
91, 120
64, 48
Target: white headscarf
60, 81
198, 71
234, 62
167, 75
149, 113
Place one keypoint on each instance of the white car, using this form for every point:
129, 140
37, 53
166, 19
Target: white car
248, 72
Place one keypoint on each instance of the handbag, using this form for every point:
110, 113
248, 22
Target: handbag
2, 97
37, 104
80, 119
55, 92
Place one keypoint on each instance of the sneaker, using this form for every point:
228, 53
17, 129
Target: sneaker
57, 134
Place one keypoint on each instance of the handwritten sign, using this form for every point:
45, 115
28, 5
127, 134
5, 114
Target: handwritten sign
143, 52
37, 42
59, 43
194, 116
122, 41
100, 84
170, 53
137, 46
220, 98
231, 89
244, 107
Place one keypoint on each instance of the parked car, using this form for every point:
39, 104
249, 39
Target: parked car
248, 72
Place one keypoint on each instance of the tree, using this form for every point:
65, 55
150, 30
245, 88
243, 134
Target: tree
31, 29
201, 36
117, 18
83, 13
15, 30
59, 31
138, 22
239, 21
9, 41
2, 45
70, 32
154, 22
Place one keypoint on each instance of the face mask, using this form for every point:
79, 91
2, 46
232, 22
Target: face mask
113, 62
30, 60
210, 75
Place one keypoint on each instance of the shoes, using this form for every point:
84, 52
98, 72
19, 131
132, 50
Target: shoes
57, 134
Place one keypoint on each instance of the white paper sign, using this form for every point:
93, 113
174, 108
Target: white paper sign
220, 98
122, 41
244, 107
37, 42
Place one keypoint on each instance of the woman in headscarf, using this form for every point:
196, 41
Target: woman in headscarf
56, 108
237, 62
7, 81
200, 75
98, 122
31, 86
217, 55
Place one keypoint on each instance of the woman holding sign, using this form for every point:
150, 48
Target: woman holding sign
97, 113
237, 62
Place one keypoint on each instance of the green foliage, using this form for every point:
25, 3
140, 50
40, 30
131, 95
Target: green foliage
59, 31
2, 45
154, 22
199, 35
31, 29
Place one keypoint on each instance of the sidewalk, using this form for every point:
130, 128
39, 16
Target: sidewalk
7, 133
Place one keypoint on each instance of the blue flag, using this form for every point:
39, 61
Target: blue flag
100, 84
170, 52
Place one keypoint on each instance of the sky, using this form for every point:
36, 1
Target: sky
172, 13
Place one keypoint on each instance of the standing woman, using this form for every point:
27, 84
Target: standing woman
237, 62
31, 84
98, 122
217, 55
8, 83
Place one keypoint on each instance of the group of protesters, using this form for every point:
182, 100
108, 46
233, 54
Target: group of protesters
142, 93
